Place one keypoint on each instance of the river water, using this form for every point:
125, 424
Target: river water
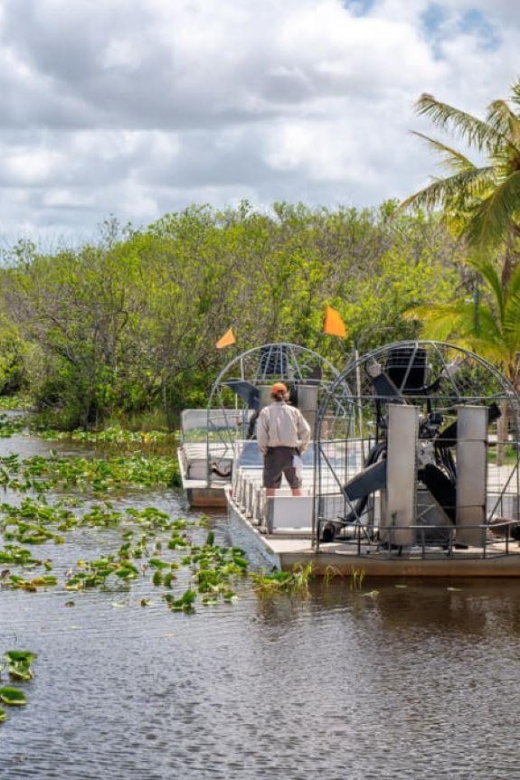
397, 680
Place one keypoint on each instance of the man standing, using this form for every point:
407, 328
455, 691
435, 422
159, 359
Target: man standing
282, 434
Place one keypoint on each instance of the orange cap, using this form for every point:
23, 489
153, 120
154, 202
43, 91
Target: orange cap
278, 388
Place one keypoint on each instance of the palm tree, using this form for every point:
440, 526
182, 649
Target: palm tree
482, 202
488, 324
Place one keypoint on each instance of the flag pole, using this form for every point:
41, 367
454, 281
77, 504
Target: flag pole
358, 390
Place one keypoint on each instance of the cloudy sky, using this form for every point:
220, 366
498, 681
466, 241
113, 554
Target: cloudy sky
137, 108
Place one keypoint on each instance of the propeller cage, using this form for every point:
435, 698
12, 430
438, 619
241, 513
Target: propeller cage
427, 453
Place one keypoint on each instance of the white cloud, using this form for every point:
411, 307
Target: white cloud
137, 107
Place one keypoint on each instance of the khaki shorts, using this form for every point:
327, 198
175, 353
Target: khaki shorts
278, 461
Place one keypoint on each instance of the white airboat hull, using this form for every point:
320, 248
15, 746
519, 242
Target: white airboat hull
285, 547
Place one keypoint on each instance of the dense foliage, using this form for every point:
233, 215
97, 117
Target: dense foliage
128, 324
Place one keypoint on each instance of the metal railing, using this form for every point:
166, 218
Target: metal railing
498, 539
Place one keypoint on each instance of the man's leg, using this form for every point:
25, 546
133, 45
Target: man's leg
272, 472
291, 475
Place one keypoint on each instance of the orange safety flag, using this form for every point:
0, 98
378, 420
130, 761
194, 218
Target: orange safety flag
227, 339
333, 324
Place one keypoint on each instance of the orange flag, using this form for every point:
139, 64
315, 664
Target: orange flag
333, 324
227, 339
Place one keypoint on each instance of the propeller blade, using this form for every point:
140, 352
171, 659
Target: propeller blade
246, 391
383, 385
367, 481
448, 437
442, 489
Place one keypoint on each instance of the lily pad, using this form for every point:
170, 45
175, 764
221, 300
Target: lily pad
20, 671
23, 656
12, 696
3, 714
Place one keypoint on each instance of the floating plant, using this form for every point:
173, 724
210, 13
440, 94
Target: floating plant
97, 474
12, 696
10, 425
183, 604
19, 664
17, 556
16, 582
95, 573
163, 545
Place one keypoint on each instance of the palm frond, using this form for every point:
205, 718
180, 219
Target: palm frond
440, 321
491, 219
515, 92
489, 273
452, 158
476, 132
496, 352
506, 124
486, 326
459, 189
513, 287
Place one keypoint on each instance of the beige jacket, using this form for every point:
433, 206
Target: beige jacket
281, 425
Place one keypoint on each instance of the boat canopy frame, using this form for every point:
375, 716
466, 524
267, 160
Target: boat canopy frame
427, 407
242, 388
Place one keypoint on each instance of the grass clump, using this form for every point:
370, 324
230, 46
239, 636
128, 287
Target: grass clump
294, 582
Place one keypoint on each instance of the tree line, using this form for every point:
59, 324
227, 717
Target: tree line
127, 324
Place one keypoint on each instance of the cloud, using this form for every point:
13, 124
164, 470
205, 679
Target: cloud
139, 107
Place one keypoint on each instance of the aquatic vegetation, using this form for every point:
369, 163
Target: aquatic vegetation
95, 573
12, 696
183, 604
17, 556
10, 425
178, 540
356, 579
19, 664
330, 573
101, 516
157, 578
30, 533
295, 581
215, 567
80, 473
19, 668
28, 523
15, 403
114, 438
16, 582
154, 518
152, 543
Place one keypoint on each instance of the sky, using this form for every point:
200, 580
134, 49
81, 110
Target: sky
138, 108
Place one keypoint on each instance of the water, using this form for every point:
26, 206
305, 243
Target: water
391, 682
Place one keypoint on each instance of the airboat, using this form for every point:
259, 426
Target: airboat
217, 438
414, 472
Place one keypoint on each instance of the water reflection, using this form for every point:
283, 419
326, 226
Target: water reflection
390, 682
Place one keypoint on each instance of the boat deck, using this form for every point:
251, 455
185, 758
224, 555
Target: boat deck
281, 530
285, 551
